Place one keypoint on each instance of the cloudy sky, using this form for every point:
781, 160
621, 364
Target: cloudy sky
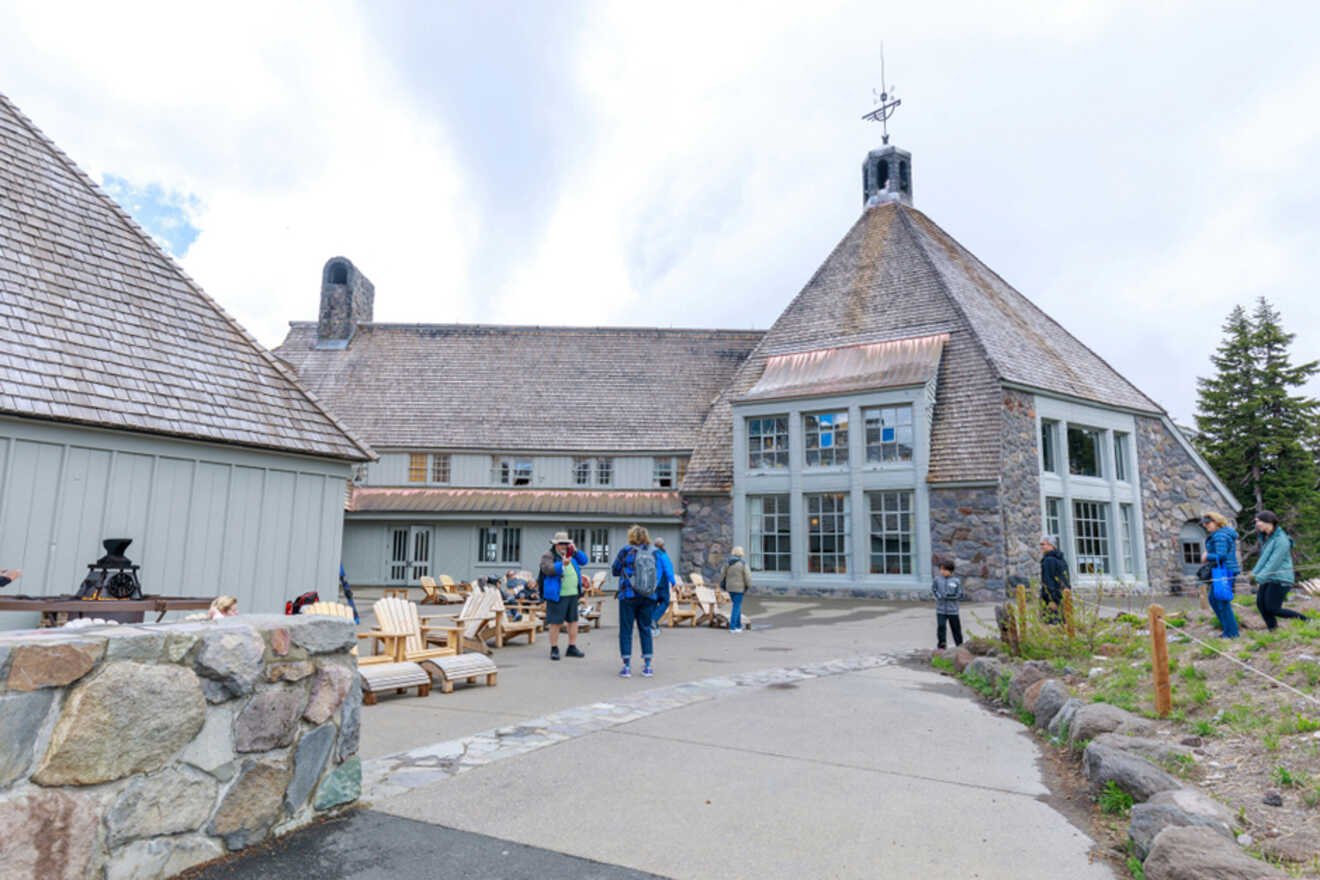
1135, 172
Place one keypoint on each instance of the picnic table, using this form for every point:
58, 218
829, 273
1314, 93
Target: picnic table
123, 610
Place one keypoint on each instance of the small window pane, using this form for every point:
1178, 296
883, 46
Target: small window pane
891, 532
604, 471
1121, 457
510, 544
1091, 534
582, 472
488, 545
600, 545
662, 472
888, 434
1049, 432
829, 519
825, 436
522, 472
767, 442
440, 467
768, 535
417, 467
1084, 452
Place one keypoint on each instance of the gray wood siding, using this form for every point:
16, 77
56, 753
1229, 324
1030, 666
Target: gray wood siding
204, 519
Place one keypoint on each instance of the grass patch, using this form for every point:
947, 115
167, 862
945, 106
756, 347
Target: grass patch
1026, 717
1114, 800
940, 663
1270, 741
1190, 673
1201, 727
1306, 725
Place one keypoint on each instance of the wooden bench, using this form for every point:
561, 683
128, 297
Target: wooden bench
468, 667
381, 677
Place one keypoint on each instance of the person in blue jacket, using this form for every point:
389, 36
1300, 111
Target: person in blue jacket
665, 570
561, 585
638, 572
1273, 573
1221, 552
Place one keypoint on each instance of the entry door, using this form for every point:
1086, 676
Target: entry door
410, 553
420, 562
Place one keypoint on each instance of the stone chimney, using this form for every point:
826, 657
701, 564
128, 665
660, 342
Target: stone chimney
346, 300
887, 176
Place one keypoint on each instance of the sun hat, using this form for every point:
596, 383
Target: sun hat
561, 538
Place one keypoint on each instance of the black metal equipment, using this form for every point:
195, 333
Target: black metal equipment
113, 576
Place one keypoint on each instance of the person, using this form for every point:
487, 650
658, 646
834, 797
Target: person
222, 606
665, 572
8, 576
947, 590
1053, 577
1273, 572
638, 572
1221, 552
561, 582
737, 582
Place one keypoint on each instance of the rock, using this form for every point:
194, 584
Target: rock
128, 718
350, 715
1300, 846
215, 691
212, 749
270, 719
1191, 741
129, 643
979, 647
51, 665
251, 805
986, 669
343, 786
1094, 719
946, 654
1272, 799
308, 762
1199, 853
1061, 723
1150, 749
21, 717
232, 657
962, 658
321, 634
279, 641
295, 671
1135, 775
48, 835
163, 857
1181, 807
328, 692
1245, 839
1031, 694
167, 802
178, 644
1050, 698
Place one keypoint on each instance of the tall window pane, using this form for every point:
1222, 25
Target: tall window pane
440, 467
662, 472
1049, 455
417, 467
582, 472
1127, 536
600, 545
510, 544
888, 434
604, 471
829, 518
1054, 518
488, 545
1091, 534
769, 536
1121, 457
825, 436
579, 538
1084, 451
891, 532
767, 442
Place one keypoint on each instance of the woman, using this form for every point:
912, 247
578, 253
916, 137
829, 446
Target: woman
1274, 570
638, 574
1221, 552
737, 581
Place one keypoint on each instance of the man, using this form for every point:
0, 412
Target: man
1053, 577
561, 583
665, 573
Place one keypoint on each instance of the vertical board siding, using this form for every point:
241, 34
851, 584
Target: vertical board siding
86, 476
163, 555
244, 522
29, 522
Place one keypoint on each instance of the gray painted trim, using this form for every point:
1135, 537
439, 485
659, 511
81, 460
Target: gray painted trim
964, 484
1083, 401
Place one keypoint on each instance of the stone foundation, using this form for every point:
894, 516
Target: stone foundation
140, 751
966, 526
1019, 484
707, 534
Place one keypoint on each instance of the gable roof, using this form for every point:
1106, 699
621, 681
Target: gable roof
896, 275
99, 327
472, 386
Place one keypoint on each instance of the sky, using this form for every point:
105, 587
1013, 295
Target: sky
1134, 171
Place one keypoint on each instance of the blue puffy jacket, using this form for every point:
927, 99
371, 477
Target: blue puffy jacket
552, 573
1221, 549
664, 571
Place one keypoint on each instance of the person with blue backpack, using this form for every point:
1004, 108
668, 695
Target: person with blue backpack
639, 578
1221, 555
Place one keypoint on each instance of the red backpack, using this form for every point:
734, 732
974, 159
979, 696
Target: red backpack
296, 605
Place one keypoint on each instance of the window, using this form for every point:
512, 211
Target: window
511, 471
767, 442
338, 273
488, 545
579, 538
1127, 539
440, 467
604, 471
891, 532
1054, 518
600, 546
417, 467
1091, 533
1191, 553
499, 545
1049, 456
1084, 452
825, 436
828, 520
662, 473
768, 536
582, 472
1191, 540
888, 433
1121, 457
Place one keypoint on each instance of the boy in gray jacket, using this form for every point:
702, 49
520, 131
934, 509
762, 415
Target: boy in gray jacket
947, 590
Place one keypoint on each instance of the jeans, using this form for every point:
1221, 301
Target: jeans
1269, 602
955, 624
1223, 609
735, 616
660, 607
640, 612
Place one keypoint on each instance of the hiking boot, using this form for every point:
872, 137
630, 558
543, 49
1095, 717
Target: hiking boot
573, 652
554, 652
625, 672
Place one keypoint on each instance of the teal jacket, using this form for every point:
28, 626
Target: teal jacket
1275, 563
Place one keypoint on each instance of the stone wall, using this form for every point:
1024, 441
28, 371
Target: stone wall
139, 751
1174, 490
1019, 484
966, 525
707, 534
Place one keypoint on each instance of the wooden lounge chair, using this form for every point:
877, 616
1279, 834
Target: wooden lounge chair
589, 614
506, 628
597, 587
379, 678
407, 635
708, 608
437, 595
475, 622
459, 590
681, 607
696, 580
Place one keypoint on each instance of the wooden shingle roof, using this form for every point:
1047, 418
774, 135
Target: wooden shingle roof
98, 326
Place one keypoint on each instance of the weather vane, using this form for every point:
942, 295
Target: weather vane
885, 101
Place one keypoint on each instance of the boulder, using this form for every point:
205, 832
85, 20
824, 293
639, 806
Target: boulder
48, 835
1022, 679
51, 665
1062, 721
322, 634
270, 719
1135, 775
21, 717
252, 804
1150, 749
962, 658
343, 786
328, 691
1197, 853
350, 722
986, 669
233, 658
167, 802
308, 762
128, 718
160, 858
1180, 807
1050, 698
130, 643
1094, 719
1031, 694
212, 749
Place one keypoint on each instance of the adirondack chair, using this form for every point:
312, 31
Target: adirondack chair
475, 622
437, 595
459, 589
407, 635
589, 614
682, 606
708, 608
696, 579
506, 628
597, 584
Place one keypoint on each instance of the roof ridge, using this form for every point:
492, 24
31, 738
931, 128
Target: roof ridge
196, 288
676, 331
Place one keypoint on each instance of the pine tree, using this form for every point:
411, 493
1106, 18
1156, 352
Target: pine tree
1226, 422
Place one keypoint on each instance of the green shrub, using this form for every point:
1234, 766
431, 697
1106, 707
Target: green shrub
1306, 725
1203, 728
1026, 717
940, 663
1114, 800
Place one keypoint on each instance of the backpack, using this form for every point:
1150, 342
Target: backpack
295, 606
645, 577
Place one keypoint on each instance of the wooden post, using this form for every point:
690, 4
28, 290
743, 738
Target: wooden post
1201, 591
1014, 629
1022, 612
1159, 661
1068, 613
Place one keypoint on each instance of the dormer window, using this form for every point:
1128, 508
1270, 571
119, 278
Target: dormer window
508, 471
338, 274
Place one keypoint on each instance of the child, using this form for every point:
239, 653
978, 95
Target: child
947, 590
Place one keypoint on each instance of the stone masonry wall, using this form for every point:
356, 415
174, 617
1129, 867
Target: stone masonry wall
1019, 484
707, 534
966, 525
138, 751
1173, 490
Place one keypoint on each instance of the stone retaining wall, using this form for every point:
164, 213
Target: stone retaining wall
139, 751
